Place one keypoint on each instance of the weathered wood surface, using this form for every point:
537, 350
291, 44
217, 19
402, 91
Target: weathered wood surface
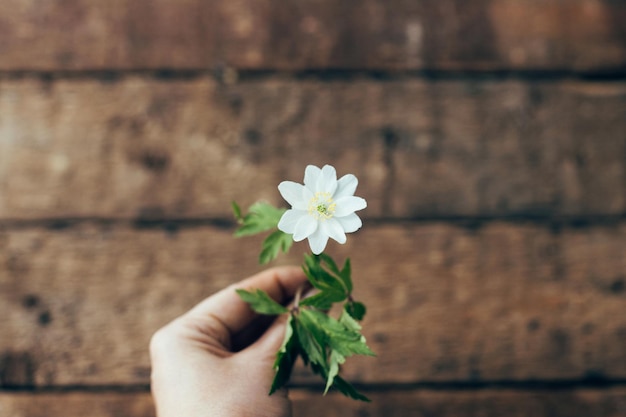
498, 303
487, 403
415, 403
273, 34
141, 147
75, 404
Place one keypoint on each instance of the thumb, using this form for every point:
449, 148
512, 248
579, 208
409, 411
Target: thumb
269, 343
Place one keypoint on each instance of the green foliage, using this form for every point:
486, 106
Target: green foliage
348, 390
336, 359
343, 275
285, 357
329, 341
236, 210
356, 310
334, 285
273, 244
261, 302
261, 217
323, 342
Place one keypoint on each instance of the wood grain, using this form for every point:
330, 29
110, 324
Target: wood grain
418, 403
74, 404
484, 403
142, 147
313, 34
499, 303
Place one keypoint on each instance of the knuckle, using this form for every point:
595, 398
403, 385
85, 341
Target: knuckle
160, 341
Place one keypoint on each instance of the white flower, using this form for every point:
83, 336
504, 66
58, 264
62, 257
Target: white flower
321, 208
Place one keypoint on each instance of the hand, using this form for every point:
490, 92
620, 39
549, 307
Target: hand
216, 360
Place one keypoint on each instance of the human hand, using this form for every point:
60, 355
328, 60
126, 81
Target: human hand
216, 360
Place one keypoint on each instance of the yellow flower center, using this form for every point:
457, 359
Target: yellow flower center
321, 206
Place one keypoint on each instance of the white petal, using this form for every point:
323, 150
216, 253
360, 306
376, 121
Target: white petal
304, 228
318, 241
311, 174
348, 205
294, 194
346, 186
327, 181
350, 223
333, 229
289, 220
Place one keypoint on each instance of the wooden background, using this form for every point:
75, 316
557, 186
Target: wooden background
489, 137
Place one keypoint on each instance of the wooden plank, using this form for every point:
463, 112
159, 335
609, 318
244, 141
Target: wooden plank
75, 404
487, 403
446, 403
273, 34
141, 147
499, 303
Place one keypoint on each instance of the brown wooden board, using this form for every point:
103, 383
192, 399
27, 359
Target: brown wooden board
142, 147
417, 403
313, 34
75, 404
502, 302
483, 403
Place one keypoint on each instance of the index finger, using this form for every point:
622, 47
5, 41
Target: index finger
232, 312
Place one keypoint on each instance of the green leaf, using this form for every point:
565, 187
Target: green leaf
323, 300
327, 343
342, 275
322, 279
349, 322
260, 218
273, 244
261, 302
336, 359
311, 341
345, 335
330, 263
356, 310
345, 275
324, 274
283, 347
348, 390
285, 357
236, 210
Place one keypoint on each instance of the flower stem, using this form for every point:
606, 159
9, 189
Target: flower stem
296, 300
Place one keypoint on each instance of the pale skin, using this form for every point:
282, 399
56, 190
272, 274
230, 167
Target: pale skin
216, 359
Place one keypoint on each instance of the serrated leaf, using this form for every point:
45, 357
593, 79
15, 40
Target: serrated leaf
336, 359
344, 337
330, 263
332, 341
349, 322
346, 275
285, 357
348, 390
323, 300
262, 303
260, 218
286, 340
322, 279
273, 244
356, 310
311, 341
342, 275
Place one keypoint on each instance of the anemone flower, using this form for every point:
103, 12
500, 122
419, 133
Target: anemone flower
322, 208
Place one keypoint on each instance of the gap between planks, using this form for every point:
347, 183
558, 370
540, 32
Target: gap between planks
229, 75
554, 223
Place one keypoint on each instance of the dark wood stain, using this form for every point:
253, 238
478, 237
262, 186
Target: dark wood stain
17, 369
